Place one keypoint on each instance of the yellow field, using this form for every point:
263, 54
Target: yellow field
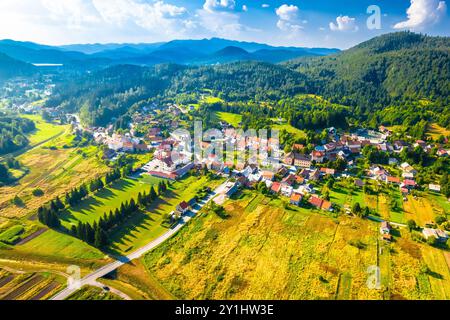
420, 210
264, 251
435, 131
54, 171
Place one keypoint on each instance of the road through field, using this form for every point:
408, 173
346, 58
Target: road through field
91, 279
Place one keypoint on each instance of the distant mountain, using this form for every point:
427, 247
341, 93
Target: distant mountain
206, 51
10, 68
210, 46
98, 47
35, 53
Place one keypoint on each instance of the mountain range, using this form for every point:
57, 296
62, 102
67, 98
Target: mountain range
195, 52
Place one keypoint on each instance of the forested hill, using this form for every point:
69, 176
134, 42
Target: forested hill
111, 92
392, 68
10, 67
401, 71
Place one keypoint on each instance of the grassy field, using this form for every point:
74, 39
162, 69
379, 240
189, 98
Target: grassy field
268, 251
44, 130
425, 209
53, 169
299, 134
231, 118
143, 226
93, 293
435, 131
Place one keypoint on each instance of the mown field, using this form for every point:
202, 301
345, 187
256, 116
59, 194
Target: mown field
231, 118
267, 250
144, 225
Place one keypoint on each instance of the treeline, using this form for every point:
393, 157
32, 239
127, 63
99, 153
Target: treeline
98, 233
13, 131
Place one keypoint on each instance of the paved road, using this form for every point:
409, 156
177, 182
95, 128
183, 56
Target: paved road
91, 278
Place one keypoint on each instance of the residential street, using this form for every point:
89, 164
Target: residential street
91, 279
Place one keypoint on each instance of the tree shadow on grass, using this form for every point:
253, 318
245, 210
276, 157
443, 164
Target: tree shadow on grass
105, 194
435, 275
121, 185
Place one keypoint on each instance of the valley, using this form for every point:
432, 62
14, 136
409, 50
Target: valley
352, 204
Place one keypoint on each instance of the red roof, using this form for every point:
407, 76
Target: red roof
393, 179
183, 205
409, 182
316, 202
326, 205
276, 187
296, 197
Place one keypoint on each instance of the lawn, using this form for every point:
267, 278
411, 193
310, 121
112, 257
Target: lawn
231, 118
143, 226
270, 251
299, 134
44, 130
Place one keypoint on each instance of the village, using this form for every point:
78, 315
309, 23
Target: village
293, 175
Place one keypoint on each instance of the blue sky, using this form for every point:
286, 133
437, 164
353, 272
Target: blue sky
317, 23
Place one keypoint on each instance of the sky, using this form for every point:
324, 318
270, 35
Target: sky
303, 23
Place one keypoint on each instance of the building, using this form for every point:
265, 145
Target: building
317, 156
327, 206
276, 187
301, 160
183, 207
230, 188
315, 202
296, 199
393, 180
385, 227
439, 235
359, 183
434, 187
328, 171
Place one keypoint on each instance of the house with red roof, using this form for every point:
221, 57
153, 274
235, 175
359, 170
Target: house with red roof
276, 187
183, 207
296, 198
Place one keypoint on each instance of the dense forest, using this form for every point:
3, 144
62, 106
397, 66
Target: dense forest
13, 131
401, 72
10, 67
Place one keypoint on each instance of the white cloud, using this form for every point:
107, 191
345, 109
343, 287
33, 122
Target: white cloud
69, 21
344, 23
423, 13
265, 5
288, 18
244, 8
287, 12
219, 5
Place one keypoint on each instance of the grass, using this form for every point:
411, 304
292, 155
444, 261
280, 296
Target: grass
44, 130
54, 247
143, 226
419, 209
54, 171
268, 251
298, 134
435, 131
93, 293
230, 118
